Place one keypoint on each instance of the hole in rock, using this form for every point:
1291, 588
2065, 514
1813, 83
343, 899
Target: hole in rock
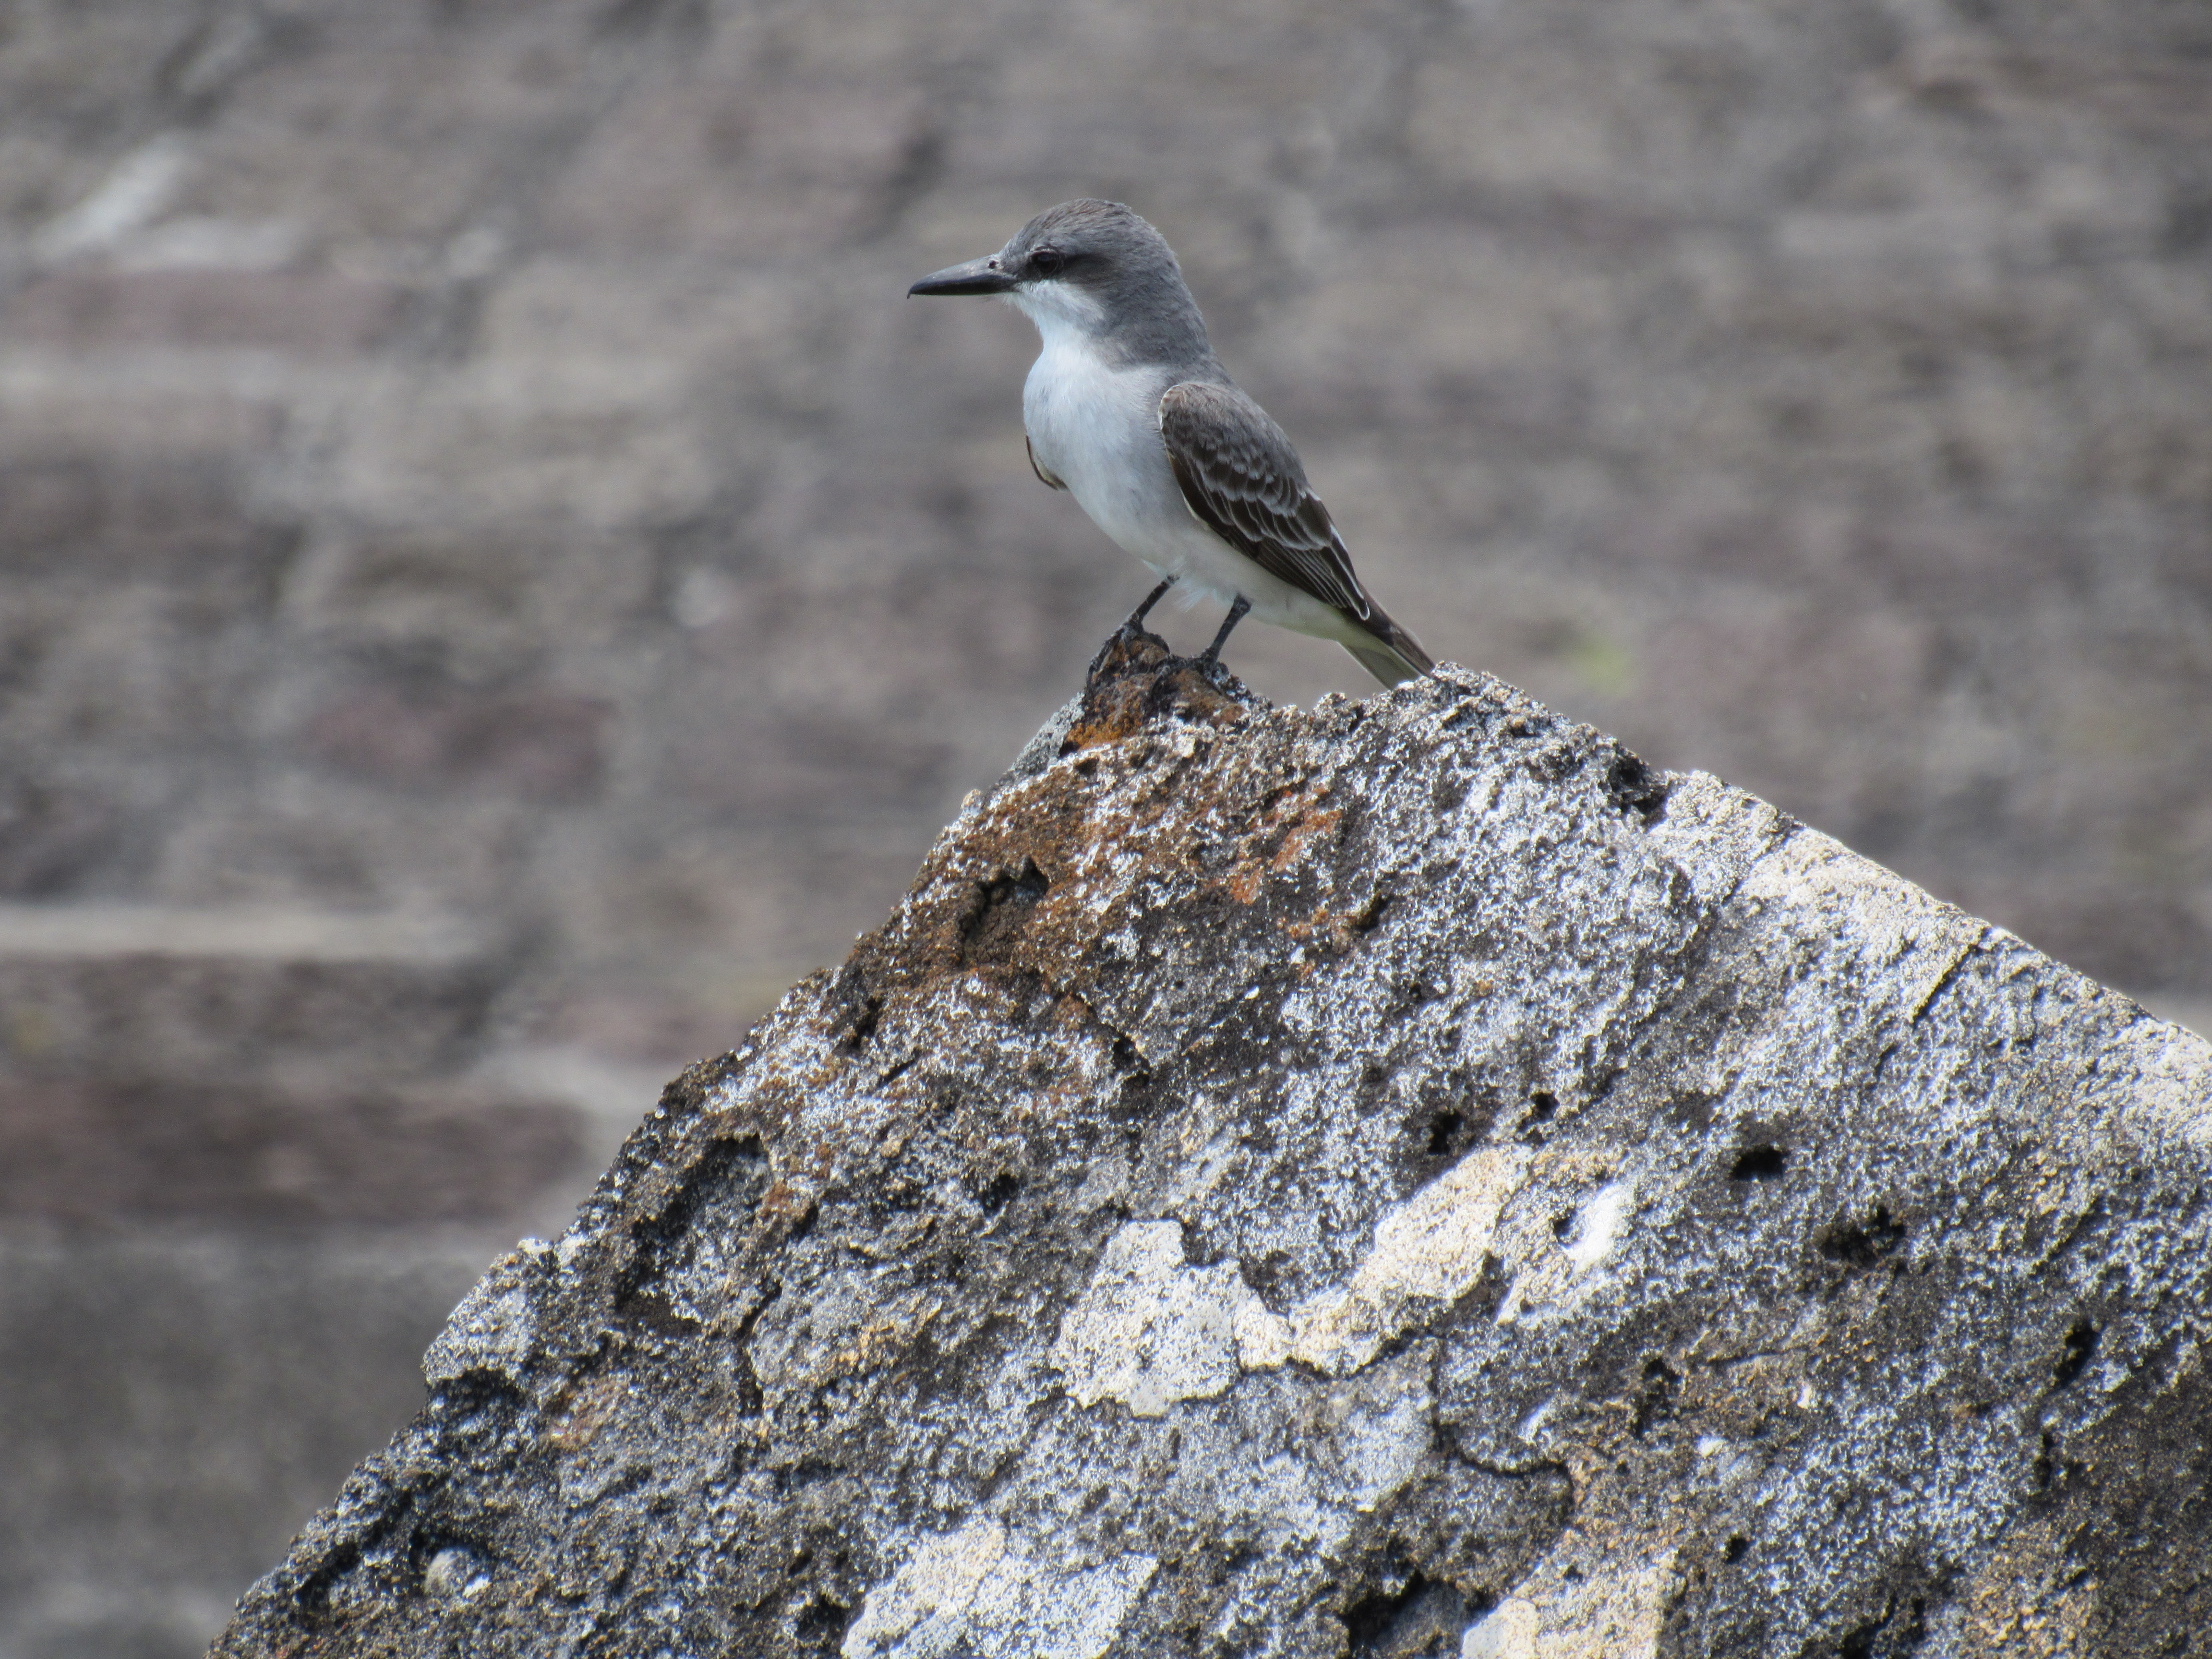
1861, 1246
1633, 787
1654, 1400
1760, 1164
1735, 1548
1001, 1193
1025, 886
2080, 1348
1424, 1621
1444, 1134
1271, 1272
1890, 1636
1002, 905
820, 1618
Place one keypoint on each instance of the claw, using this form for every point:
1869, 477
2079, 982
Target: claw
1134, 629
1210, 658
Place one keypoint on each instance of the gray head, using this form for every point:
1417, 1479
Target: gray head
1096, 267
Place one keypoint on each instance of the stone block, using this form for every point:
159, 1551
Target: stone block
763, 170
127, 993
481, 608
604, 445
541, 746
164, 1434
54, 834
313, 313
112, 673
157, 1152
102, 517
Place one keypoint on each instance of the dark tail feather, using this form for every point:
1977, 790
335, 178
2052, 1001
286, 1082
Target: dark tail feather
1395, 656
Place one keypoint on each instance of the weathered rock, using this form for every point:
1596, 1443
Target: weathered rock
1401, 1178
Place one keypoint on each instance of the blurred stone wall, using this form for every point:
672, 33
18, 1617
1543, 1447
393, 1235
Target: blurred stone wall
495, 582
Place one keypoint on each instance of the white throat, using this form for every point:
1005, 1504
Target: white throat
1058, 310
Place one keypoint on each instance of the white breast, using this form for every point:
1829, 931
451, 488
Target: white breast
1096, 427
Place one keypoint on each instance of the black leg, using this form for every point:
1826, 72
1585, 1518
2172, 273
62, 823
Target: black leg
1211, 654
1129, 630
1137, 617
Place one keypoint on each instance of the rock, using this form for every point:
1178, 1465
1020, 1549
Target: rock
1400, 1178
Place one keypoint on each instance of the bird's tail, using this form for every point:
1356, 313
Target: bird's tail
1396, 656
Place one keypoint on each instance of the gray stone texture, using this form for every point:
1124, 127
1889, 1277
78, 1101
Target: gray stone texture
1402, 1179
495, 583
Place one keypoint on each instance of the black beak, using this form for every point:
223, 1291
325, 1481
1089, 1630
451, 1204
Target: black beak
976, 276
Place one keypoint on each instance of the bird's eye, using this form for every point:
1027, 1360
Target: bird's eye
1047, 262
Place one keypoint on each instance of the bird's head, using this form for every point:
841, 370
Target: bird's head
1085, 261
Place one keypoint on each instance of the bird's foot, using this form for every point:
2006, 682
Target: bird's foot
1129, 632
1208, 661
1213, 670
1119, 644
1097, 662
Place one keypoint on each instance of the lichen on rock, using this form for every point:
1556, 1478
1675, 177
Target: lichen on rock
1399, 1178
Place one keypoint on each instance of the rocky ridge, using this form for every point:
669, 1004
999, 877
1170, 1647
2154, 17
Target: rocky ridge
1399, 1178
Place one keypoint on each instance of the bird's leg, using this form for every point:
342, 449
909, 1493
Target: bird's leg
1211, 654
1129, 630
1136, 623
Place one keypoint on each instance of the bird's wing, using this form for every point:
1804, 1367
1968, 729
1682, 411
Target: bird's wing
1240, 475
1036, 467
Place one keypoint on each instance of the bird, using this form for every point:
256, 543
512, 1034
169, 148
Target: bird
1127, 409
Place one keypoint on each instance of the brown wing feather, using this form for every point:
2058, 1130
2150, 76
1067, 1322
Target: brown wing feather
1239, 474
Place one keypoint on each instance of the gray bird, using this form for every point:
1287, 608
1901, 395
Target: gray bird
1127, 409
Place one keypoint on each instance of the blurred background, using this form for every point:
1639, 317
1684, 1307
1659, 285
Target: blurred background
496, 581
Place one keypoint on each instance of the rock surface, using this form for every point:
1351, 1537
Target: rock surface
1401, 1178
